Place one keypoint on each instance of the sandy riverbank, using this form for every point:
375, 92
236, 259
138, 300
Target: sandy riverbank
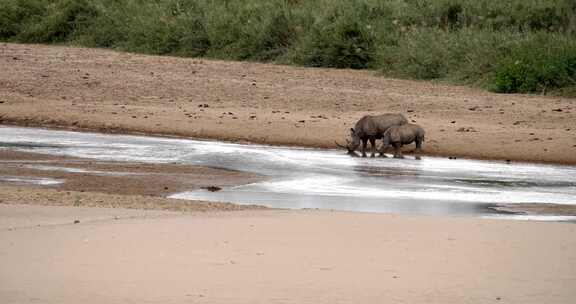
92, 89
132, 256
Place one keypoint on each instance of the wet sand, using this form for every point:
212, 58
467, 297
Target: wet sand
127, 178
111, 184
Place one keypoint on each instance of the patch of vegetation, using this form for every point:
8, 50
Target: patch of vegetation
539, 64
505, 46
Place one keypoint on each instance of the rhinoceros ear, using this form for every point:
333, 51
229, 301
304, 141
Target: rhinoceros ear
352, 130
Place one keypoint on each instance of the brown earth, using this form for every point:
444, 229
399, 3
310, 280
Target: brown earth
93, 89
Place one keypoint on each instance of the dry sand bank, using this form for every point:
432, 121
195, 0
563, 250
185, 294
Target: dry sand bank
122, 256
92, 89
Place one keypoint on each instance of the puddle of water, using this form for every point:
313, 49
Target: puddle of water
540, 218
327, 179
31, 180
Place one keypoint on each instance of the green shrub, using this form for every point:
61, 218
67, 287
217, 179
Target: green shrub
507, 46
539, 64
250, 30
342, 38
14, 14
421, 54
61, 21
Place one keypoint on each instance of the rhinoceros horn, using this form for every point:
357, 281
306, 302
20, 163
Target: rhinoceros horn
351, 151
342, 146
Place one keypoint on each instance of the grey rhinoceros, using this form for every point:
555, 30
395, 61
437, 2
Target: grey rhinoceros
370, 128
397, 136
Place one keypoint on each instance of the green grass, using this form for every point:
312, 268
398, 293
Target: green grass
505, 46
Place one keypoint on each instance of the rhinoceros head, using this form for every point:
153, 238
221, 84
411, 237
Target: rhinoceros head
351, 144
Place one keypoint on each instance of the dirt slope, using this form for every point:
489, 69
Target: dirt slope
92, 89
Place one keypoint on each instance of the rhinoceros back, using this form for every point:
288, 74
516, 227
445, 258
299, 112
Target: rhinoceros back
378, 124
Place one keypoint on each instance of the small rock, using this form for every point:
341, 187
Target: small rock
302, 121
473, 108
453, 121
557, 110
410, 111
469, 129
76, 222
212, 188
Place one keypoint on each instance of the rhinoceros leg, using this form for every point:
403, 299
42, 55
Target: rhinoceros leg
383, 149
373, 146
398, 150
418, 148
364, 143
382, 153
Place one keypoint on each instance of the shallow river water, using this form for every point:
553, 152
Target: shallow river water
327, 179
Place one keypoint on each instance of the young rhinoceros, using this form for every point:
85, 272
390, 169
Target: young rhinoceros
400, 135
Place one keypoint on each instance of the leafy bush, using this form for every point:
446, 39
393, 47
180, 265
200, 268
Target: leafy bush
539, 64
342, 38
506, 46
256, 30
62, 20
14, 14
